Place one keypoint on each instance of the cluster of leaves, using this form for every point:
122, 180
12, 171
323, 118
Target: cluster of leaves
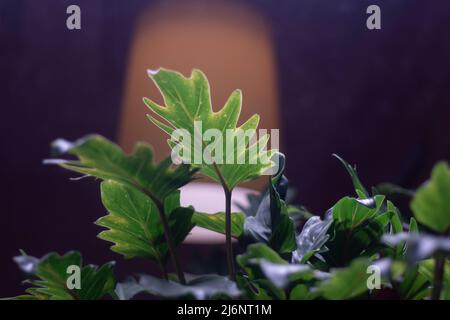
329, 258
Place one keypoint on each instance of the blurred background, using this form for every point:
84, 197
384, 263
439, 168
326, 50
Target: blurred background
378, 98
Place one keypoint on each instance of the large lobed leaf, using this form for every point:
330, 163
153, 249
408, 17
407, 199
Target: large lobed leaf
134, 223
99, 157
188, 100
431, 203
134, 191
51, 278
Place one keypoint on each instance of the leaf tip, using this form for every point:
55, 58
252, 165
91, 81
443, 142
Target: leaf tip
153, 72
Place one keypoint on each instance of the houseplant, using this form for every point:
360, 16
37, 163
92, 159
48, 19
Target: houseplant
362, 246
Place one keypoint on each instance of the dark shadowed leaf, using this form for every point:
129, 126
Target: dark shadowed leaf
257, 252
359, 188
312, 238
202, 287
419, 246
272, 224
282, 275
391, 190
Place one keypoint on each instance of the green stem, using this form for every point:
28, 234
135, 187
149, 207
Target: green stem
439, 264
167, 234
163, 269
170, 243
229, 244
228, 241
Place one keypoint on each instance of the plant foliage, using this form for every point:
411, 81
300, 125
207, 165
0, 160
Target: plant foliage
286, 252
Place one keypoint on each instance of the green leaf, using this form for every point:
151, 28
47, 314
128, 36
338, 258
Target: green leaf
255, 284
216, 222
431, 203
357, 229
187, 103
413, 227
51, 274
202, 287
359, 188
346, 283
257, 252
302, 292
396, 227
134, 225
103, 159
353, 211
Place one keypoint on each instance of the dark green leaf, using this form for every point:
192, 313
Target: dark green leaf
359, 188
303, 292
51, 274
257, 252
272, 224
357, 229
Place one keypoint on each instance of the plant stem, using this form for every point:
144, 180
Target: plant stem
167, 234
170, 243
439, 264
163, 270
229, 244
